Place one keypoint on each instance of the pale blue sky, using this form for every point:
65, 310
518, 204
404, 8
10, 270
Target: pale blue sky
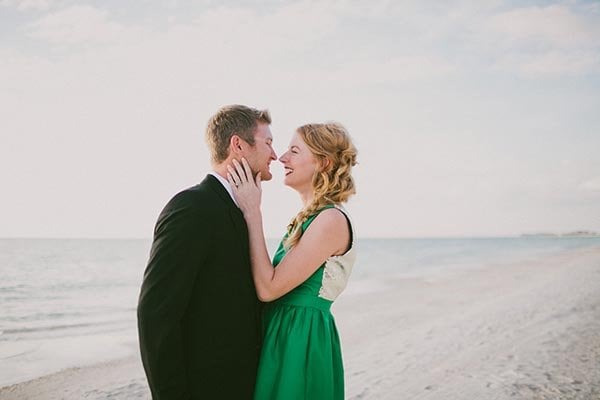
471, 118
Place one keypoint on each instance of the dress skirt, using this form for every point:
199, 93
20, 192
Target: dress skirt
301, 357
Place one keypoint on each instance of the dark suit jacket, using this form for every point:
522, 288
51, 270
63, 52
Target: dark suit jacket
198, 313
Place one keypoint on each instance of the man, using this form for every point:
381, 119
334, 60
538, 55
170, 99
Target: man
198, 314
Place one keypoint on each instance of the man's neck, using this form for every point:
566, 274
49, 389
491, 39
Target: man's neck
221, 168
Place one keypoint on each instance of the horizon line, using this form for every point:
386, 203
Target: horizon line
506, 236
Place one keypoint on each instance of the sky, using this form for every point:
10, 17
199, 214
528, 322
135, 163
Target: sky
471, 118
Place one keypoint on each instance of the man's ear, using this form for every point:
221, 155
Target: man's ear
236, 144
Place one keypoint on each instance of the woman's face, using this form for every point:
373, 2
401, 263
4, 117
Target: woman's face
300, 164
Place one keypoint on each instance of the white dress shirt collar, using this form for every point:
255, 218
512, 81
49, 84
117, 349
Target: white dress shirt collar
225, 184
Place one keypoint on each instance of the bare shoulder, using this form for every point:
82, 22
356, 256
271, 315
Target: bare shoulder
331, 216
329, 221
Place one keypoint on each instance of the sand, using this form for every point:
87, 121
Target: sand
524, 331
119, 379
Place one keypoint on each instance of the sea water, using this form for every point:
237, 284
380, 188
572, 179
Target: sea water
71, 302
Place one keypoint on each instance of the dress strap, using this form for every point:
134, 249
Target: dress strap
310, 219
350, 225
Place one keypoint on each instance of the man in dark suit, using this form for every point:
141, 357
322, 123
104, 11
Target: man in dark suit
198, 313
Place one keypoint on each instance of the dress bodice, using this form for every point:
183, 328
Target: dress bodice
330, 279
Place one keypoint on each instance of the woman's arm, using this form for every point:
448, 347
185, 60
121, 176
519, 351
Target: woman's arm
327, 235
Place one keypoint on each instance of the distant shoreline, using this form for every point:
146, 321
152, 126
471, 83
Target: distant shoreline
457, 237
576, 234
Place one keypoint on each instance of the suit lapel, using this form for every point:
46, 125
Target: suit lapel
235, 214
218, 188
240, 226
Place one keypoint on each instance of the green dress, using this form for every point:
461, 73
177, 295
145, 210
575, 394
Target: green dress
301, 356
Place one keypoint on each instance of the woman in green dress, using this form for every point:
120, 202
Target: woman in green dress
301, 355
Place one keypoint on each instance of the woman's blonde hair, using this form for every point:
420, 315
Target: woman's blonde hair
332, 183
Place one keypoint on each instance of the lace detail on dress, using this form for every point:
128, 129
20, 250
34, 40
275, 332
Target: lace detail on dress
338, 268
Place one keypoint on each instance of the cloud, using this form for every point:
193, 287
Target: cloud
552, 26
400, 69
551, 63
136, 88
540, 42
290, 27
76, 25
27, 5
591, 185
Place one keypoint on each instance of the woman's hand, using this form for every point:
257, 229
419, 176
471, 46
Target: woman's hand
246, 189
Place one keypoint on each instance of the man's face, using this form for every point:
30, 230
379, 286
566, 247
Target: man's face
261, 154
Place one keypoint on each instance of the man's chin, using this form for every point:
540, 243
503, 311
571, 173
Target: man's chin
266, 176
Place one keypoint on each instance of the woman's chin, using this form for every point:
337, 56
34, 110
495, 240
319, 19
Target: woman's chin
286, 181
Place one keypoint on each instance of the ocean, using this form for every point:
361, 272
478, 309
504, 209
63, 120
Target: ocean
71, 302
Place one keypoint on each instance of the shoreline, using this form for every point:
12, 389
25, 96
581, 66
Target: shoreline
528, 330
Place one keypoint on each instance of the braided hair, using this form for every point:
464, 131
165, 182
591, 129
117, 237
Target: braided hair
332, 183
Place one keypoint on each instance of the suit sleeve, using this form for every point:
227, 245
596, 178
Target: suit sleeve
179, 248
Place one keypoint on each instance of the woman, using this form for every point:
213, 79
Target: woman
301, 355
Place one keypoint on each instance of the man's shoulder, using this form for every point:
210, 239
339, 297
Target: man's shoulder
196, 198
192, 197
193, 192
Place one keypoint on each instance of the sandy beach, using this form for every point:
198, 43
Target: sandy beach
524, 331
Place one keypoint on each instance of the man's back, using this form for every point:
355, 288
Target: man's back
198, 313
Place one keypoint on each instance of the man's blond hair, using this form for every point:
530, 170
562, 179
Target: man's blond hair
232, 120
